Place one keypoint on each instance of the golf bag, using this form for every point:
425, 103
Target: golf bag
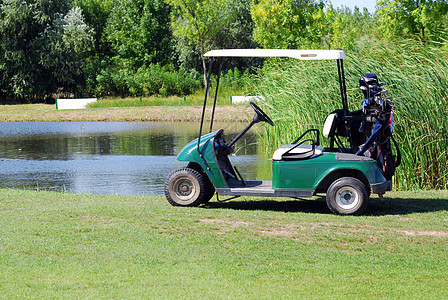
377, 125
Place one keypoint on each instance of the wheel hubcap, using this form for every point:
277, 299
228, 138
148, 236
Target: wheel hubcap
347, 197
185, 188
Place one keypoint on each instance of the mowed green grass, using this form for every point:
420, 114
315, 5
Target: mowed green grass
64, 245
195, 99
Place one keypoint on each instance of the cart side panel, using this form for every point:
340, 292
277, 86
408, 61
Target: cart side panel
293, 175
190, 154
367, 170
308, 174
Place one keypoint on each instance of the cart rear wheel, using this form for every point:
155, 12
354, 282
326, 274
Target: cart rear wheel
347, 196
186, 187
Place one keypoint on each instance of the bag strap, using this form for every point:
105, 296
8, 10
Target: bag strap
398, 160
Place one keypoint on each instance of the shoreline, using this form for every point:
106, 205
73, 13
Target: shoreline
48, 113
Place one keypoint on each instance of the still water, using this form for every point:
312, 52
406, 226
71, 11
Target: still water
121, 158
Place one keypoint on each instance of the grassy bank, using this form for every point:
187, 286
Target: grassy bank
62, 245
48, 113
195, 99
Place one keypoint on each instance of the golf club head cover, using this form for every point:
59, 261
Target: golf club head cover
368, 80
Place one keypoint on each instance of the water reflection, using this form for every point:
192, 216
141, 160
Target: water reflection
103, 157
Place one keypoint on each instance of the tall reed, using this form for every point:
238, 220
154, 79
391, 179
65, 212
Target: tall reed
301, 94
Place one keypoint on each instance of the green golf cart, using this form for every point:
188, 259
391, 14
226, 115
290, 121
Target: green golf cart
301, 169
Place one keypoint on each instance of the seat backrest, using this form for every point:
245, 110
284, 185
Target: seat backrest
329, 125
299, 152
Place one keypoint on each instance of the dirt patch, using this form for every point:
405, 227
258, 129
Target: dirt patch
225, 226
424, 233
298, 232
275, 232
314, 231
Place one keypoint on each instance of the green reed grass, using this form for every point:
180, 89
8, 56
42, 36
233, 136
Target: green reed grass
301, 94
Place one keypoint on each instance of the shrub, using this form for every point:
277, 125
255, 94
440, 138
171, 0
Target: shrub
146, 81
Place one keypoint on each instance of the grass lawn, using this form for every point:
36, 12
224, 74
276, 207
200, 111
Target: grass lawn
195, 99
63, 245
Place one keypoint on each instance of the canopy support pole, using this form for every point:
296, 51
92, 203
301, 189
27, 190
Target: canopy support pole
344, 101
342, 86
203, 113
216, 95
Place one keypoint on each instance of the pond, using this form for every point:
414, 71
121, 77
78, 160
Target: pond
123, 158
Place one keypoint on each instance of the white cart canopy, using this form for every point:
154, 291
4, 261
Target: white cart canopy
297, 54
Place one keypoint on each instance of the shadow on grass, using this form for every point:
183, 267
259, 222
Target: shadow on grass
376, 207
308, 206
405, 206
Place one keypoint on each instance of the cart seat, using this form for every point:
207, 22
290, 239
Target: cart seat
330, 125
300, 152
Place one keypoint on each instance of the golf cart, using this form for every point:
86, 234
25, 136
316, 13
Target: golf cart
299, 170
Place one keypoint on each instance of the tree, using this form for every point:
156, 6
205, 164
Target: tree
237, 34
411, 18
344, 27
36, 54
96, 14
65, 45
200, 21
288, 23
139, 32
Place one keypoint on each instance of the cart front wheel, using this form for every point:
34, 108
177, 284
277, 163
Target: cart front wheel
185, 187
347, 196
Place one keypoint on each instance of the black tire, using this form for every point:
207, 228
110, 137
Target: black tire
209, 190
209, 187
347, 196
186, 187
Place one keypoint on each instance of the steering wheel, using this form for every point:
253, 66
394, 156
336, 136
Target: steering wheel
261, 115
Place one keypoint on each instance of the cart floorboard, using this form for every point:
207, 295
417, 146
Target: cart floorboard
260, 188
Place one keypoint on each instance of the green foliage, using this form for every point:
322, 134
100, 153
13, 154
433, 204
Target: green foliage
307, 24
343, 28
76, 35
236, 78
41, 46
238, 34
168, 105
62, 54
288, 23
139, 32
161, 80
48, 48
199, 21
150, 80
96, 14
137, 37
420, 20
301, 95
234, 35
